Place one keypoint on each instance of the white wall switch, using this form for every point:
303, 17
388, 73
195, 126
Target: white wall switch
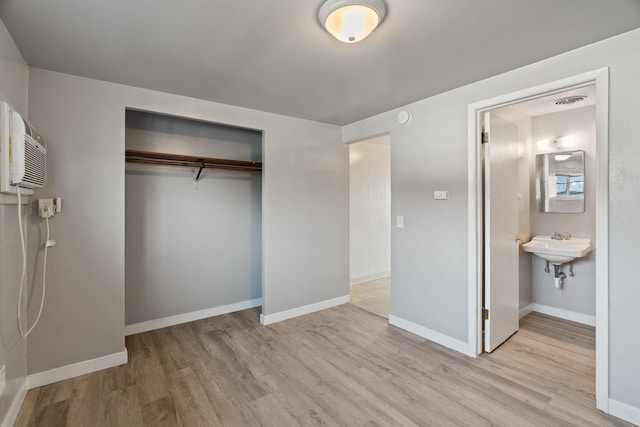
57, 202
3, 378
399, 221
441, 195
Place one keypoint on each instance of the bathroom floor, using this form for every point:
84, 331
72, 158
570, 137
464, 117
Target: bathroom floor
373, 296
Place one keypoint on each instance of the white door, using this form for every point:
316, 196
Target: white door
501, 293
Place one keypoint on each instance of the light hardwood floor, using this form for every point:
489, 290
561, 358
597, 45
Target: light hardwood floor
373, 296
338, 367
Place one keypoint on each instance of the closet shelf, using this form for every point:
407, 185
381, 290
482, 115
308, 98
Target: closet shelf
153, 158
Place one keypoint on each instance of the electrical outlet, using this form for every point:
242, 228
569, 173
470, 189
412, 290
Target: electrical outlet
45, 208
3, 378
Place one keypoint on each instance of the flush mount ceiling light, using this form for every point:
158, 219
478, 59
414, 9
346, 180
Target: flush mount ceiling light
351, 20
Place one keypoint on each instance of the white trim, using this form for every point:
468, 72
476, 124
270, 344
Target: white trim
14, 409
431, 335
474, 218
525, 310
600, 78
624, 411
164, 322
369, 277
81, 368
573, 316
602, 240
300, 311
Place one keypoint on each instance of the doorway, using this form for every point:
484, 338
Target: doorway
370, 225
485, 254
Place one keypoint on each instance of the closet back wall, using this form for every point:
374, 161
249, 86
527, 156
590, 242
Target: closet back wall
190, 246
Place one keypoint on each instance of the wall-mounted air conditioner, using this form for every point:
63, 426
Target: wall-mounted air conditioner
23, 153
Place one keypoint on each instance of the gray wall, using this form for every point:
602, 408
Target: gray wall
13, 88
578, 293
430, 153
428, 255
304, 211
190, 246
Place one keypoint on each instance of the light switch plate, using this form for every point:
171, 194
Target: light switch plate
441, 195
399, 221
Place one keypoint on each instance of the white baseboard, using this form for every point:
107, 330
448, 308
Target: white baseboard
369, 277
565, 314
624, 411
85, 367
14, 409
431, 335
300, 311
525, 310
164, 322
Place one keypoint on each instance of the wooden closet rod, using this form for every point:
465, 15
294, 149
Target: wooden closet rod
153, 158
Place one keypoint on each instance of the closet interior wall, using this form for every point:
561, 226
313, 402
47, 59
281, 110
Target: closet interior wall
190, 245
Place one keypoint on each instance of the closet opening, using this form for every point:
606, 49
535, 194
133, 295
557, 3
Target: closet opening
193, 220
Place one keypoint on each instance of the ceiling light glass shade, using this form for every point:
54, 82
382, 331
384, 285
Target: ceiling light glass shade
351, 21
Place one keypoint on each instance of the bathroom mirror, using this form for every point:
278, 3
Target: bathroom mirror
560, 182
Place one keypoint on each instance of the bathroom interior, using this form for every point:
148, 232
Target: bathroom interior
556, 146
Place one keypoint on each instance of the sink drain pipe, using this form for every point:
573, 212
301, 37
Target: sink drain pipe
558, 276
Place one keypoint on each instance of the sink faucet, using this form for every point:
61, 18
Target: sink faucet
561, 236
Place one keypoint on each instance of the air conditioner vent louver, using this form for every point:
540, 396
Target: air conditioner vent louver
35, 165
23, 153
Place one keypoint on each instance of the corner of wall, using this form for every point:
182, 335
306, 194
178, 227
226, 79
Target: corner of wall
13, 89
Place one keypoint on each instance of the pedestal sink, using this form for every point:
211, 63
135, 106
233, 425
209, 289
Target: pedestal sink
558, 251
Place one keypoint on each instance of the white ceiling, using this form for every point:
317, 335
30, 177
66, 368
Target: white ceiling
274, 56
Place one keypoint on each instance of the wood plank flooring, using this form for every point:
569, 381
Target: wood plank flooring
373, 296
338, 367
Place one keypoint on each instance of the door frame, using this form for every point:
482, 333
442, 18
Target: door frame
599, 77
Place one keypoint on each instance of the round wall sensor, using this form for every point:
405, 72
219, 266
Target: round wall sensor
404, 117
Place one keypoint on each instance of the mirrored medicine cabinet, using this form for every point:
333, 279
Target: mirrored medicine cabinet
560, 182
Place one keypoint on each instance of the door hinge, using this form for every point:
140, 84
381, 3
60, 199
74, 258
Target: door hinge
485, 313
485, 137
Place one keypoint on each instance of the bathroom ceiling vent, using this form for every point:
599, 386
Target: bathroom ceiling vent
568, 100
